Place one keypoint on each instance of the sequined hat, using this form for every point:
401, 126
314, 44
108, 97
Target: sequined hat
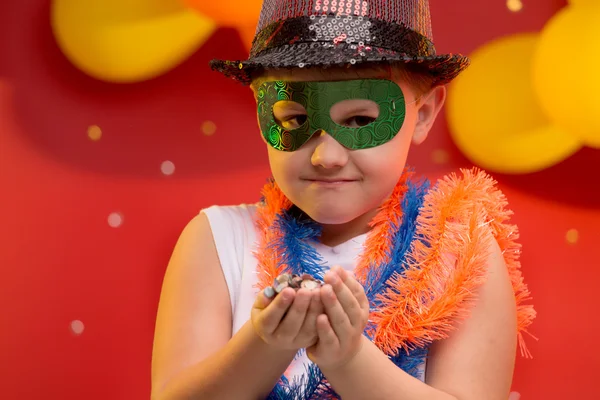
322, 33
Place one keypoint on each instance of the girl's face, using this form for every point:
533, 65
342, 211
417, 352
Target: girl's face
331, 183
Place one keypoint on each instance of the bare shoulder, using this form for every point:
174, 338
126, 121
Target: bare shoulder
194, 312
477, 360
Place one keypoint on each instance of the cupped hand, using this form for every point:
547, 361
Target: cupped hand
340, 329
289, 320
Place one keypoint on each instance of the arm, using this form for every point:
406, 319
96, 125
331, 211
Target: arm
475, 362
194, 355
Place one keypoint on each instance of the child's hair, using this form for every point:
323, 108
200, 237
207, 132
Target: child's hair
420, 81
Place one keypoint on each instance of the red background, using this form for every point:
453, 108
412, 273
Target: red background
61, 261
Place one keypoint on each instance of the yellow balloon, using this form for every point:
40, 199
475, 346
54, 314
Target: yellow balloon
565, 71
582, 2
493, 115
127, 41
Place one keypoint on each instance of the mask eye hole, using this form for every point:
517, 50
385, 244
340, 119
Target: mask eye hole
355, 113
289, 114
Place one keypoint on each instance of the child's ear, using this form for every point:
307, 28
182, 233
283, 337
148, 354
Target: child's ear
428, 110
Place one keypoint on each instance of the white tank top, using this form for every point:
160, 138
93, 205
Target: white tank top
235, 240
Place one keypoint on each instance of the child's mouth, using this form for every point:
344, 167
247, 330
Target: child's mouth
331, 182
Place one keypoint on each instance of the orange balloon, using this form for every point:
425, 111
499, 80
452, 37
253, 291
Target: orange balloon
229, 12
247, 35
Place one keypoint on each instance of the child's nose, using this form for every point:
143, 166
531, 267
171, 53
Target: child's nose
329, 153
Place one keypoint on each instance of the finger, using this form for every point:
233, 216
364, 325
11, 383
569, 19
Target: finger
358, 291
292, 322
271, 316
345, 297
309, 327
335, 312
341, 272
327, 336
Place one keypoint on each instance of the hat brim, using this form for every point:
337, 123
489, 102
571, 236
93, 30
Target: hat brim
442, 68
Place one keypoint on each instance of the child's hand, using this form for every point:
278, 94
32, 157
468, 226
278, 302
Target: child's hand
340, 329
289, 320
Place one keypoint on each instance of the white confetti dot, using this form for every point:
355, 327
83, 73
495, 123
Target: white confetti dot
167, 167
115, 220
77, 327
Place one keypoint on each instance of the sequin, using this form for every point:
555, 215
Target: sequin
394, 30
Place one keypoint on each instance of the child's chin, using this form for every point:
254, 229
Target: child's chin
331, 216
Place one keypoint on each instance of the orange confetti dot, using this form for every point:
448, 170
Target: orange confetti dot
572, 236
209, 128
440, 156
514, 5
94, 132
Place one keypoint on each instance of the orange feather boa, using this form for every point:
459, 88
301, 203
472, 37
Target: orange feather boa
459, 219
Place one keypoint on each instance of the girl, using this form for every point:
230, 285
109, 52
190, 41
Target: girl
422, 294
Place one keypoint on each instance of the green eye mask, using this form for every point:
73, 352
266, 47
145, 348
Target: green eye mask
313, 105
